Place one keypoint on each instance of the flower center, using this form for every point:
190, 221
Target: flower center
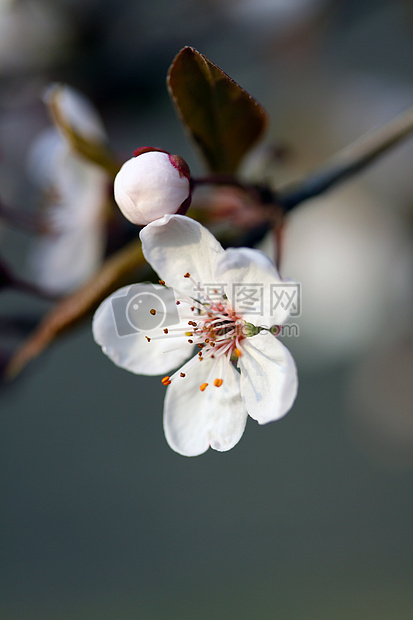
217, 331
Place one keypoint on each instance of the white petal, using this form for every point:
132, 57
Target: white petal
253, 286
195, 420
268, 378
123, 321
175, 245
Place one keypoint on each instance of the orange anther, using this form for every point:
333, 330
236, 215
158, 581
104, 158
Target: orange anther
218, 382
152, 311
203, 386
237, 352
166, 380
187, 275
147, 338
162, 282
165, 331
182, 374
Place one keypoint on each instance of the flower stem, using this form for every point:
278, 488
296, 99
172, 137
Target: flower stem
348, 162
227, 180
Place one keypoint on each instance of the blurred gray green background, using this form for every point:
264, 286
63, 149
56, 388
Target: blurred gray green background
308, 517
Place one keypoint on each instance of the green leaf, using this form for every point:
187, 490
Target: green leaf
223, 119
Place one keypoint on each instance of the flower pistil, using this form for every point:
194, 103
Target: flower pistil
215, 328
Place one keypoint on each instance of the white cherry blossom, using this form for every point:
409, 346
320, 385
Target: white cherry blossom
239, 366
76, 193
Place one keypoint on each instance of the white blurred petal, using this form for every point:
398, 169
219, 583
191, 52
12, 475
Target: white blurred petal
32, 35
77, 112
273, 15
45, 157
348, 252
65, 257
59, 263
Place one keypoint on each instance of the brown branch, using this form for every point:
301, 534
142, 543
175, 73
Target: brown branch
348, 162
76, 306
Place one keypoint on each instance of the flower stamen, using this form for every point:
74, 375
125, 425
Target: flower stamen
215, 328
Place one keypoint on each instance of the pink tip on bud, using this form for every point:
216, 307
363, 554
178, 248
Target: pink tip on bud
180, 164
147, 149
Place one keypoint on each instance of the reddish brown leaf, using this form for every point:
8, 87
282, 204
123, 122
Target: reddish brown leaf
223, 119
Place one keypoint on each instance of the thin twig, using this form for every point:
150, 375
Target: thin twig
227, 180
349, 161
74, 307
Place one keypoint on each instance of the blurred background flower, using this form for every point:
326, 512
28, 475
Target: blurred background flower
76, 194
309, 518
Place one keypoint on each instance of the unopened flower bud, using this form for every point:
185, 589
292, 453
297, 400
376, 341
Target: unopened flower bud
152, 184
